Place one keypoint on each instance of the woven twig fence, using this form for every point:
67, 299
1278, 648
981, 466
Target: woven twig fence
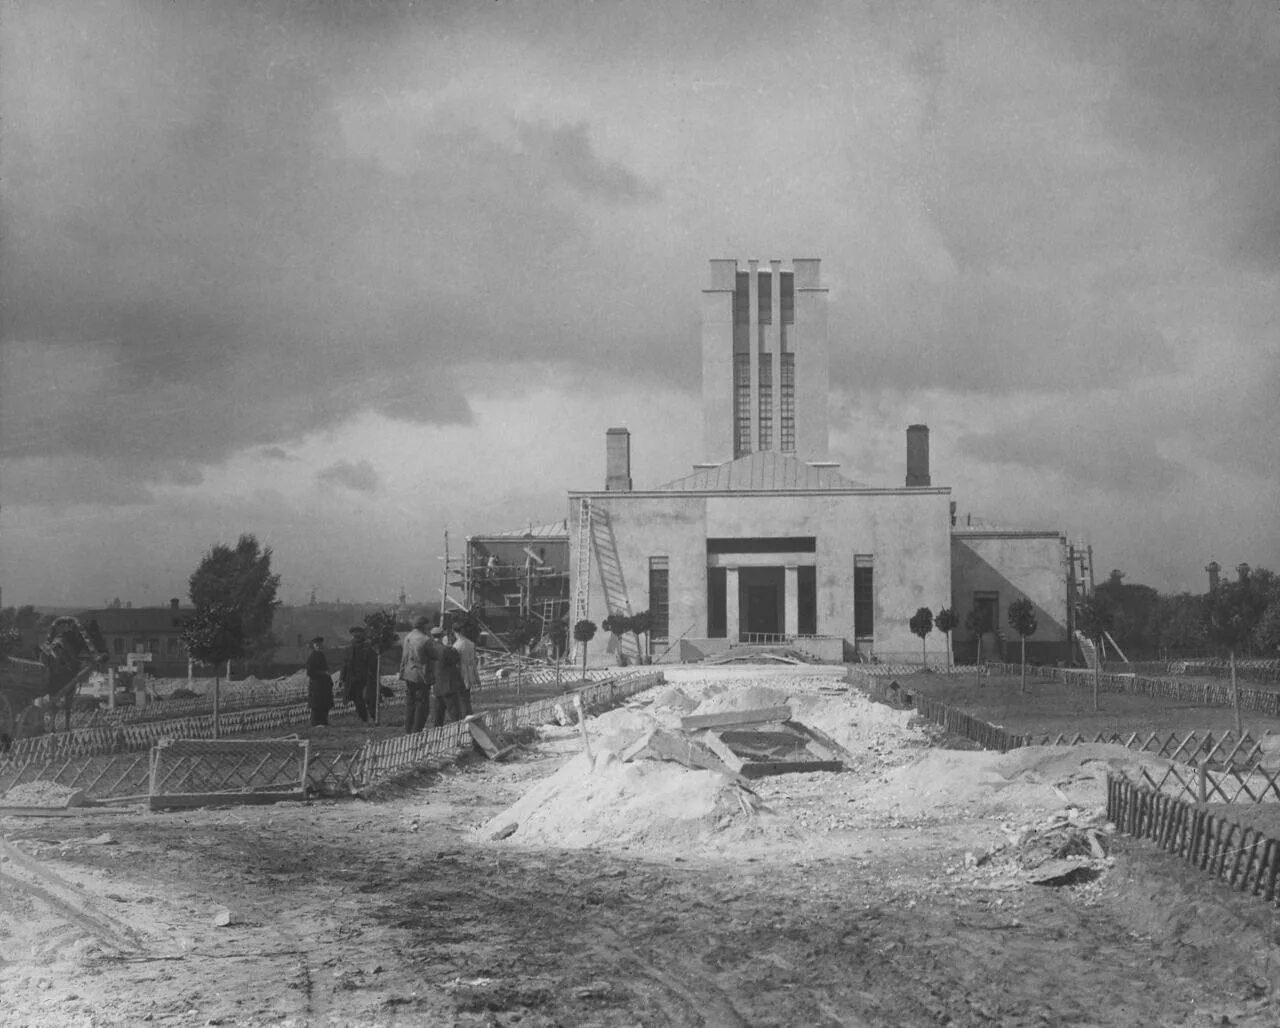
195, 772
957, 722
123, 738
899, 670
1237, 759
1243, 858
113, 773
1199, 783
1205, 694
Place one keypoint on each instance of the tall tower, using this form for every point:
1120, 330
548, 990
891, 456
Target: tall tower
764, 361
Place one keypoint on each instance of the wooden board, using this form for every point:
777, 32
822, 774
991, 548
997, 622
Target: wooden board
758, 716
821, 743
718, 746
764, 768
687, 751
480, 733
216, 799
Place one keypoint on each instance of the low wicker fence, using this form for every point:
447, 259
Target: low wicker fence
1261, 699
120, 768
1243, 858
1205, 766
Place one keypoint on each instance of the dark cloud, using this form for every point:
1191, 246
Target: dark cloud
276, 453
360, 477
1093, 453
567, 151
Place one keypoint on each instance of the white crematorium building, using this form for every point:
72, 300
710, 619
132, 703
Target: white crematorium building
765, 542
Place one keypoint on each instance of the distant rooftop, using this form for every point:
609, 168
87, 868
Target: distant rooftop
549, 530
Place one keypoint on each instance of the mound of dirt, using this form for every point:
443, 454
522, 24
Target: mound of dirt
604, 802
42, 794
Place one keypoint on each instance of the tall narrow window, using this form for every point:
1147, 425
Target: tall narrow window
787, 404
766, 401
764, 305
787, 294
659, 598
741, 404
864, 598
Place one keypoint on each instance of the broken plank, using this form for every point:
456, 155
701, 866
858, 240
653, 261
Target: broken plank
757, 716
476, 725
684, 750
718, 746
820, 743
764, 768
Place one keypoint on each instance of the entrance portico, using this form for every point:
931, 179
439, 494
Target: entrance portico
768, 591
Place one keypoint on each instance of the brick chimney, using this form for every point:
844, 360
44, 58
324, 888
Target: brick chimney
917, 456
617, 460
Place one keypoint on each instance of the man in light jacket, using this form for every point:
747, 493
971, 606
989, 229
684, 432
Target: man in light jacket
418, 672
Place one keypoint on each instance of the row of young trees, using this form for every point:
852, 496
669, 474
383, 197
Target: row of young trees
1022, 619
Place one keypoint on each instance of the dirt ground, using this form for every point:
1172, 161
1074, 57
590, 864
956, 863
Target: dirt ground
634, 894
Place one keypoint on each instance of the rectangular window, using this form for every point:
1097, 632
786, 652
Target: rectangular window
787, 404
787, 297
741, 404
172, 647
864, 598
118, 646
764, 304
766, 401
742, 299
659, 598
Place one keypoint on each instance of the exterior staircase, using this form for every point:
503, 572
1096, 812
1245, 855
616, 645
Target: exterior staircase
1088, 650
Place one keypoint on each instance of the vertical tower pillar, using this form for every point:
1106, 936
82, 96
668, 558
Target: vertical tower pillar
732, 617
791, 600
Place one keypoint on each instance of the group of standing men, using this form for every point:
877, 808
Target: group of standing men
438, 675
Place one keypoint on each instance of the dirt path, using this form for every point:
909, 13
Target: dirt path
854, 910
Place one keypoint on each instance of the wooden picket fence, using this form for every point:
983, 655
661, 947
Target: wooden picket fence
1243, 858
119, 767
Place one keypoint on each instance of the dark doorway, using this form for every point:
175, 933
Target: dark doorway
715, 604
760, 600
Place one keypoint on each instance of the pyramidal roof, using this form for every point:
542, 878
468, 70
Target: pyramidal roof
766, 471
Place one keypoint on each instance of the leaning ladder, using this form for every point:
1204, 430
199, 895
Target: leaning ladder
582, 588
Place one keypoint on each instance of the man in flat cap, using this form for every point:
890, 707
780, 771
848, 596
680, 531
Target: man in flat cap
360, 674
417, 669
319, 684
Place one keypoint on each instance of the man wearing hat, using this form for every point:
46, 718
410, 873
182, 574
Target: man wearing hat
447, 701
360, 674
319, 684
417, 669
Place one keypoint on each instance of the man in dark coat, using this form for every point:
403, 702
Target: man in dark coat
447, 701
417, 669
319, 684
360, 674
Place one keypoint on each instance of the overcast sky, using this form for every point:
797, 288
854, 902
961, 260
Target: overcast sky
344, 275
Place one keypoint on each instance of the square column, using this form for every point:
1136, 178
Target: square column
732, 619
791, 600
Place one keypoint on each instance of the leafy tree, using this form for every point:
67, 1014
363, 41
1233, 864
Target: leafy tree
584, 631
641, 624
1266, 635
1232, 614
1093, 617
921, 624
946, 622
213, 635
1177, 625
380, 629
1022, 619
617, 625
1131, 606
978, 621
241, 578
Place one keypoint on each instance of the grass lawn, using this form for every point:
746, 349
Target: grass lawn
1050, 706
